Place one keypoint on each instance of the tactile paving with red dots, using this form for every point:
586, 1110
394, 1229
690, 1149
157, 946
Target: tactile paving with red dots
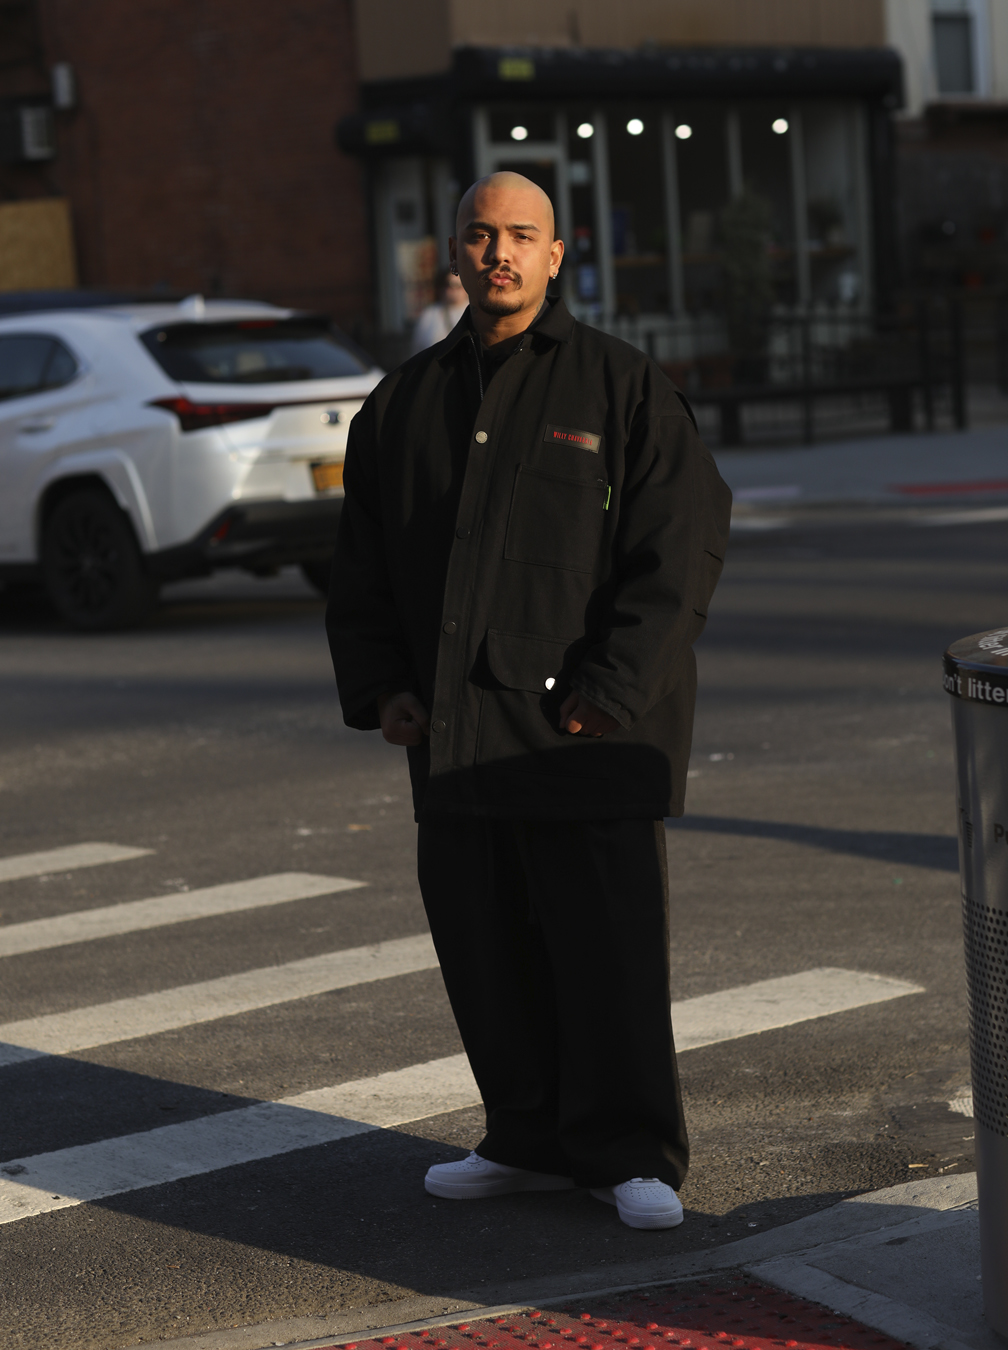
732, 1315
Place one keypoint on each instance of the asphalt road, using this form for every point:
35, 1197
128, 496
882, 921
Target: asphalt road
819, 832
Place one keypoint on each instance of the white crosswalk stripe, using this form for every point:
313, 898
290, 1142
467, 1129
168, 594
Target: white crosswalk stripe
707, 1020
783, 1002
66, 859
148, 1014
177, 907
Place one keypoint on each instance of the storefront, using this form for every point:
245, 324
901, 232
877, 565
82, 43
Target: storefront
691, 188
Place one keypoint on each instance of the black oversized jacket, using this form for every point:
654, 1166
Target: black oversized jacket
560, 528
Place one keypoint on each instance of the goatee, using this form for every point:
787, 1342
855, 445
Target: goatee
498, 305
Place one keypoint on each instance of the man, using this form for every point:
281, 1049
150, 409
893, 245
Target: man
531, 534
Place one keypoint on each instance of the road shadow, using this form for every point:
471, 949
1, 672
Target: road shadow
938, 851
343, 1224
214, 602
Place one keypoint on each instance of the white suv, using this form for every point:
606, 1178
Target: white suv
145, 443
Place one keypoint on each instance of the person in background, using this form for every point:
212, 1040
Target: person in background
436, 321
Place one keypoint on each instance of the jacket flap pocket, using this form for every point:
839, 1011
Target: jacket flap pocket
523, 662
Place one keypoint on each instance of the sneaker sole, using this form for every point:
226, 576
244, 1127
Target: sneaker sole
485, 1190
662, 1218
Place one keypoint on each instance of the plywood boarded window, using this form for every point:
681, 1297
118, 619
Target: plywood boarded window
36, 245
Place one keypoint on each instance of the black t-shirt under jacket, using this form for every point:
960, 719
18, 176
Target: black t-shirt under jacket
501, 544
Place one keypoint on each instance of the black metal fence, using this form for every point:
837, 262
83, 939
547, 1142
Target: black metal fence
828, 374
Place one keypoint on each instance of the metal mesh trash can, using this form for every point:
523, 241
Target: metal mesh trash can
976, 675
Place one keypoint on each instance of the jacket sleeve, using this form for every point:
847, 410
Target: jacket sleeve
669, 547
366, 640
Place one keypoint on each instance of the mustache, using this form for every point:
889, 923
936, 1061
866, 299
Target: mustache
484, 277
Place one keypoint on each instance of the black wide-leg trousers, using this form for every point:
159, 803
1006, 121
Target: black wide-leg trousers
553, 939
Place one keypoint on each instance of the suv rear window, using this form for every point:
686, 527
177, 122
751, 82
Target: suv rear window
254, 351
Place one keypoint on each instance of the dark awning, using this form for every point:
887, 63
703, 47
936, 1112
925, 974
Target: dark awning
396, 129
749, 72
415, 116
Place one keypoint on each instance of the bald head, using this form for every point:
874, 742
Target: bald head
505, 252
518, 194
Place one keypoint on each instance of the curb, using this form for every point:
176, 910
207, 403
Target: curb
786, 1257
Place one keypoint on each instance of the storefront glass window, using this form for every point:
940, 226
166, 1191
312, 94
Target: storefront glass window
831, 185
414, 211
766, 202
725, 212
582, 257
701, 156
636, 186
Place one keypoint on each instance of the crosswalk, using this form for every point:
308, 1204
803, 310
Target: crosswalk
42, 1182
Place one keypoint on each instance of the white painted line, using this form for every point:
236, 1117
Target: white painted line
707, 1020
783, 1002
784, 493
59, 1180
66, 859
148, 1014
962, 1102
978, 516
178, 907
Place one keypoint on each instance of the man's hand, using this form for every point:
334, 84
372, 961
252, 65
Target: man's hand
404, 719
581, 717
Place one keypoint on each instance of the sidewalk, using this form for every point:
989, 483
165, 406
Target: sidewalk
904, 1262
926, 474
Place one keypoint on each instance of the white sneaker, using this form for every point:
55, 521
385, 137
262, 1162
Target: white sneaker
643, 1202
476, 1178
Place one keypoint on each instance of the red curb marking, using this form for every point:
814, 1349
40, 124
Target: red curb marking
692, 1317
944, 489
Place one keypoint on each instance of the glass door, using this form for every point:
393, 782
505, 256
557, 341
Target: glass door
531, 139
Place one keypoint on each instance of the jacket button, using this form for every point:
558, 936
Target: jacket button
450, 627
481, 437
437, 726
461, 532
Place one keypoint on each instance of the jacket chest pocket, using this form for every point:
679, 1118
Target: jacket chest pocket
555, 521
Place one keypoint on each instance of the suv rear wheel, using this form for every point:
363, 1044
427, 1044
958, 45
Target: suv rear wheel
92, 566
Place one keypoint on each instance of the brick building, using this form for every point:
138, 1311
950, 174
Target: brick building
193, 145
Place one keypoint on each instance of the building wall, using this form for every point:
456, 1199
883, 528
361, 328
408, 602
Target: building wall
998, 22
401, 38
200, 156
908, 29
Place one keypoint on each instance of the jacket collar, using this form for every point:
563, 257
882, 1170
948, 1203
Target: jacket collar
557, 324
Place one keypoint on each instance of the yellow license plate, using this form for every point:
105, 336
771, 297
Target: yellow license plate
328, 475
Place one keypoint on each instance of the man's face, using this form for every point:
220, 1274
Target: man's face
505, 250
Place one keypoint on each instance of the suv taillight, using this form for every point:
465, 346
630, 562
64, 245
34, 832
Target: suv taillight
196, 416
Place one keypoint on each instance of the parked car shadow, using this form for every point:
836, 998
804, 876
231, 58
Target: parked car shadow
227, 599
